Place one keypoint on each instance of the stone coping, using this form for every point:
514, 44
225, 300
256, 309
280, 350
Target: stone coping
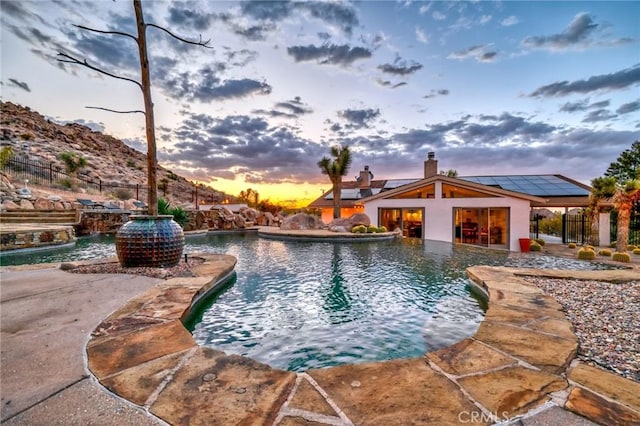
323, 235
519, 363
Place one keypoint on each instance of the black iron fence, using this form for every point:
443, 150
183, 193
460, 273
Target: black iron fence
634, 226
47, 173
576, 228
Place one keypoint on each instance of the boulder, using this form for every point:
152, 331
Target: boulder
8, 204
302, 221
57, 205
26, 204
351, 221
43, 204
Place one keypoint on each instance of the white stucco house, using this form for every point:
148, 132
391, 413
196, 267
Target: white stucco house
456, 210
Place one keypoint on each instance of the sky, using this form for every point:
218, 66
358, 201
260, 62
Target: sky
492, 88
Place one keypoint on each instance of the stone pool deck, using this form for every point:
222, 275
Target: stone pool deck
520, 365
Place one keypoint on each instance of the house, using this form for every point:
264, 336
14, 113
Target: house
459, 210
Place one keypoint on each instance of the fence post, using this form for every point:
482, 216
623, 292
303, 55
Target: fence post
50, 173
137, 192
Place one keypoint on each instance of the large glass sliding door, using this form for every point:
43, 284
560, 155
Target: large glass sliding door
408, 220
481, 226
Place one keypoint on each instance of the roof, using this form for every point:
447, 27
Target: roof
550, 190
458, 182
538, 185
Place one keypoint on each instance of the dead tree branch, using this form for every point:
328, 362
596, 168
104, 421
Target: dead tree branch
71, 60
197, 43
82, 27
116, 111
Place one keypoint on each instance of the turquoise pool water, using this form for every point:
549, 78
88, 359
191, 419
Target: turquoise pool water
300, 305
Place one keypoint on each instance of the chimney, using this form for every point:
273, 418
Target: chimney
364, 180
431, 165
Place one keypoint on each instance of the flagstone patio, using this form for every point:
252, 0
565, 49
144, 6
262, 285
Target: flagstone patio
520, 364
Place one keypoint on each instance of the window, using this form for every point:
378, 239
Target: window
481, 226
428, 191
450, 191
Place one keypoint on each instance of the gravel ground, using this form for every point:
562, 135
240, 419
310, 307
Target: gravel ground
182, 269
606, 318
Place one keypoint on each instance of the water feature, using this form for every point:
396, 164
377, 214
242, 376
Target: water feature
300, 305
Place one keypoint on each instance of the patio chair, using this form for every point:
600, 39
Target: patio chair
89, 203
140, 205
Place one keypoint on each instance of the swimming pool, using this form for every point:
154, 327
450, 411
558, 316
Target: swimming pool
300, 305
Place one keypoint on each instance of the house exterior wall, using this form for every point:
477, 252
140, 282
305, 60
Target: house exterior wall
327, 213
438, 214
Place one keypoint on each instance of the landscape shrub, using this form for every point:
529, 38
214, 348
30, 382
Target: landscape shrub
636, 251
585, 254
122, 194
178, 213
572, 245
67, 183
535, 246
605, 252
73, 161
621, 257
359, 229
613, 244
540, 241
382, 229
631, 247
372, 229
5, 155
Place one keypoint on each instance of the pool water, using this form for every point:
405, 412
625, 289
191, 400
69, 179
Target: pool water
301, 305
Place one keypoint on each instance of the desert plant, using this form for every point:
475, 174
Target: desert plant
636, 251
26, 136
131, 163
631, 247
540, 241
586, 254
572, 245
372, 229
613, 244
5, 154
382, 229
122, 194
73, 162
359, 229
535, 246
621, 257
605, 252
178, 213
66, 183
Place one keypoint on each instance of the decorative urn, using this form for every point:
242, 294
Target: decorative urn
152, 241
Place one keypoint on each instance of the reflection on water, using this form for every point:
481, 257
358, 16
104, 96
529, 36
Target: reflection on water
301, 305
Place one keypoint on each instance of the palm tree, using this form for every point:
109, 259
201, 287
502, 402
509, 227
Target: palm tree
336, 168
602, 188
622, 184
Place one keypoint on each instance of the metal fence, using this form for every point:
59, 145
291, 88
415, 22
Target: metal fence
634, 226
576, 228
47, 173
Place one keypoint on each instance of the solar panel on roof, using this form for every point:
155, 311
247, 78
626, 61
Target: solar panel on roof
538, 185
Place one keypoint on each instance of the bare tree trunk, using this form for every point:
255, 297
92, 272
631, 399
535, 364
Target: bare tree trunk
624, 217
337, 193
595, 226
152, 161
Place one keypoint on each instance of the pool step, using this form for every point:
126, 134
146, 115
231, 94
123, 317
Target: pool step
66, 217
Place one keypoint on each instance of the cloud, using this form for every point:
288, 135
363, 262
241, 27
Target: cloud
330, 54
185, 15
510, 21
240, 58
341, 15
598, 115
485, 19
434, 93
293, 108
400, 67
20, 84
421, 36
206, 86
605, 82
359, 118
425, 8
254, 32
438, 16
243, 147
579, 34
629, 107
481, 53
387, 83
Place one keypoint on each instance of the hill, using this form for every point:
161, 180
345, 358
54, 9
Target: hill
33, 137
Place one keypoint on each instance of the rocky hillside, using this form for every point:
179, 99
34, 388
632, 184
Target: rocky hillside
109, 159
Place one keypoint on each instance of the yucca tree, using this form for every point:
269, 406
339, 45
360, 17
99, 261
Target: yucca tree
622, 184
336, 168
